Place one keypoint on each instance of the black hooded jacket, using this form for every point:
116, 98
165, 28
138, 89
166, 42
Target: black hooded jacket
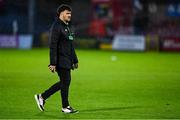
62, 52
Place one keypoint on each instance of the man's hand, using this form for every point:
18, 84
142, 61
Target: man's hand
52, 68
75, 66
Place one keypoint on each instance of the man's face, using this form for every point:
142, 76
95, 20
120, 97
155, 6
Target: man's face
66, 15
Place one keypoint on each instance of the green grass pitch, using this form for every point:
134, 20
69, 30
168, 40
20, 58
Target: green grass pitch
135, 85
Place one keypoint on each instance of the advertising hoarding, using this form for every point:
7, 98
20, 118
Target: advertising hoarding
128, 42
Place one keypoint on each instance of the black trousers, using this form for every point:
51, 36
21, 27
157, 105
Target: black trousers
62, 86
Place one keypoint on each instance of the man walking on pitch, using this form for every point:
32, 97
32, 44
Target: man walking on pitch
62, 59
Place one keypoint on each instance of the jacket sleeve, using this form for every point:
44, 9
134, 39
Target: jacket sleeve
75, 58
53, 45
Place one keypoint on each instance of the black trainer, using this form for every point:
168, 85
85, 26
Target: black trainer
40, 102
69, 109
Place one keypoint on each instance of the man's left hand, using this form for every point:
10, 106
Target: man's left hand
75, 66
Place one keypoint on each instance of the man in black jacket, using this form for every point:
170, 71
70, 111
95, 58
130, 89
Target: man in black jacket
62, 59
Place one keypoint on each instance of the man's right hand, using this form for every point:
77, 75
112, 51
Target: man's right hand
52, 68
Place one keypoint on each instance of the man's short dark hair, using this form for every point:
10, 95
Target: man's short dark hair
63, 7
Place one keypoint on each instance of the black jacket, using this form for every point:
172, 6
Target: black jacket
62, 52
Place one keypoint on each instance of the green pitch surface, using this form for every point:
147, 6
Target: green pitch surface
107, 85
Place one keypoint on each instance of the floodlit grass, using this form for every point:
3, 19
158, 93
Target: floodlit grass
134, 85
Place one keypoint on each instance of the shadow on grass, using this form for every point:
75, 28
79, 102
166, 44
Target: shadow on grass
60, 115
110, 109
